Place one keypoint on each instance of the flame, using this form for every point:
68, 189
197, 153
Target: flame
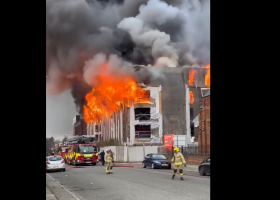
191, 97
207, 76
191, 76
145, 98
109, 94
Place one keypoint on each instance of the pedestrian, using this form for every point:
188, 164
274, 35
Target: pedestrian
102, 157
178, 160
108, 162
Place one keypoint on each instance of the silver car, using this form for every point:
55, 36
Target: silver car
55, 163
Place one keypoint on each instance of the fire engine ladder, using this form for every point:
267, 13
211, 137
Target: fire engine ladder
81, 139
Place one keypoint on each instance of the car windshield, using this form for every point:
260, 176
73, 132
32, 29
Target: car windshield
55, 158
63, 149
158, 156
87, 149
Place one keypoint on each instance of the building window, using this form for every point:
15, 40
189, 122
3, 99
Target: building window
142, 114
191, 76
96, 128
191, 97
142, 131
144, 98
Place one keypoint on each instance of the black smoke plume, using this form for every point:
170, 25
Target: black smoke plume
137, 31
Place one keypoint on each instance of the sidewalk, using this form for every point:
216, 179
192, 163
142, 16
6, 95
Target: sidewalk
55, 191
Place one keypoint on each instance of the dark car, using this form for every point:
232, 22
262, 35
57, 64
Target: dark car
204, 167
154, 161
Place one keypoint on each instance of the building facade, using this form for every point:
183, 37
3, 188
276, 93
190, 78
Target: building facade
133, 124
204, 125
170, 106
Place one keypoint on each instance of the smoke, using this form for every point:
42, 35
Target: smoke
80, 33
116, 66
60, 111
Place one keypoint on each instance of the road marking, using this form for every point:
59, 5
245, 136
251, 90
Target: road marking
64, 187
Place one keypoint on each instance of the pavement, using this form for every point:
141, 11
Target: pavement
127, 183
55, 191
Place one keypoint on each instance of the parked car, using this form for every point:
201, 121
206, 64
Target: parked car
55, 163
204, 167
155, 160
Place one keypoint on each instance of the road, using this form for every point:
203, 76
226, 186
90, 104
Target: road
91, 182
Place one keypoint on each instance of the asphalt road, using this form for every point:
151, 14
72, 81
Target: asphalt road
91, 182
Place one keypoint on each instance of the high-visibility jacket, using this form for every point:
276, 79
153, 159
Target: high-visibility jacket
178, 159
108, 158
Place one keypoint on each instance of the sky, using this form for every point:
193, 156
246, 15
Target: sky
60, 110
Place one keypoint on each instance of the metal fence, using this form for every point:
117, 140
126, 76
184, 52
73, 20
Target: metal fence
192, 154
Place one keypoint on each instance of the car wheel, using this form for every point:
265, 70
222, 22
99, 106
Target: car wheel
64, 169
153, 166
94, 163
201, 171
143, 165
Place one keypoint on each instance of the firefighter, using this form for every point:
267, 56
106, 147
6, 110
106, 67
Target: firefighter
178, 160
112, 155
108, 162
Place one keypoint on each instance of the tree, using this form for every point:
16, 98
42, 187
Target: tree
49, 144
57, 142
64, 140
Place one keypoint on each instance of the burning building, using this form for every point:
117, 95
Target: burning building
168, 106
144, 32
79, 125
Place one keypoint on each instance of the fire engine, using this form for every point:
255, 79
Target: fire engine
62, 149
82, 150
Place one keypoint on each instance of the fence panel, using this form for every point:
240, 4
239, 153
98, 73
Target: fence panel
192, 154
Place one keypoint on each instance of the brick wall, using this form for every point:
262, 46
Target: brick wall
204, 127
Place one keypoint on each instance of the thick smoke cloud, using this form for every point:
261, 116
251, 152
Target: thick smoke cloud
170, 32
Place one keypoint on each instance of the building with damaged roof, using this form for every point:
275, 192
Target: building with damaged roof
169, 107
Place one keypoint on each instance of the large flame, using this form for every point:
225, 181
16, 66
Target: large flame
207, 76
109, 94
191, 76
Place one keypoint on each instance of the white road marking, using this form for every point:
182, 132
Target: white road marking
64, 188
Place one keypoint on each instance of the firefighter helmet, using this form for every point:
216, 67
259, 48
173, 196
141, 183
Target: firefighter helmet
176, 149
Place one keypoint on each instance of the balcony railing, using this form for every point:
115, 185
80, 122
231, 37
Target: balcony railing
142, 134
143, 117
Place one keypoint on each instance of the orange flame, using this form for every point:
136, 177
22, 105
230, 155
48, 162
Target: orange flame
207, 76
191, 76
109, 94
191, 97
145, 98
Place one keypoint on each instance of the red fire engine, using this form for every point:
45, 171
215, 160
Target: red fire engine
82, 150
62, 149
